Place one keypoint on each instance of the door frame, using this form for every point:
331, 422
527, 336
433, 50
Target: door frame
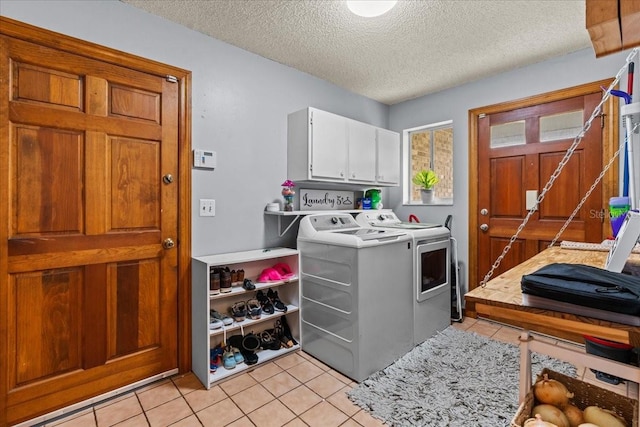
40, 36
610, 143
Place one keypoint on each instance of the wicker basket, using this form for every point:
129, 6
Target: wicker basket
585, 394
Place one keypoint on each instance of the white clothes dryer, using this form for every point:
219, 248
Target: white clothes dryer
356, 312
431, 270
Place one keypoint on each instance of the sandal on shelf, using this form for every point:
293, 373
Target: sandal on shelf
275, 300
239, 311
287, 330
267, 307
248, 284
268, 341
254, 311
279, 332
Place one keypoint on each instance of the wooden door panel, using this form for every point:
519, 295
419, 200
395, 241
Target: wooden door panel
135, 184
42, 156
46, 308
134, 307
47, 86
515, 256
134, 103
567, 191
508, 200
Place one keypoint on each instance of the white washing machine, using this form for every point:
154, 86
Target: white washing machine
356, 312
431, 271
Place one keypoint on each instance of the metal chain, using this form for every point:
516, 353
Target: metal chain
588, 193
561, 165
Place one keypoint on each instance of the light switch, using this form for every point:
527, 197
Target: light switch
207, 207
531, 198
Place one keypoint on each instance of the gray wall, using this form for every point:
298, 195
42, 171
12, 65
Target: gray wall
241, 101
240, 106
454, 104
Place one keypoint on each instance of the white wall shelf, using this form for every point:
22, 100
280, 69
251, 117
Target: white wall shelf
299, 214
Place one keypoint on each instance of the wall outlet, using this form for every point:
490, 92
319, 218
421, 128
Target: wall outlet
207, 207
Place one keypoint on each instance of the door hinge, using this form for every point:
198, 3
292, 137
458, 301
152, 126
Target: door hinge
602, 116
172, 79
482, 115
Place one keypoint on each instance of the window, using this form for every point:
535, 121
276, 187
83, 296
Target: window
429, 147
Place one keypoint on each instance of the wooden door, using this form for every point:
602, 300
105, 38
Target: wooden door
512, 162
90, 299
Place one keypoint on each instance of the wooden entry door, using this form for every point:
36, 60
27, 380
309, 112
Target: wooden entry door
89, 214
518, 149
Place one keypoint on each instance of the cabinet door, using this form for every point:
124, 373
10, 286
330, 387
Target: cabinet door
328, 145
362, 152
388, 147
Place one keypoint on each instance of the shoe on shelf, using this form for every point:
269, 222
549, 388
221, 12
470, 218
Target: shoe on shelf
268, 341
228, 359
239, 311
226, 320
215, 323
267, 307
284, 270
275, 300
248, 284
234, 276
254, 310
237, 355
214, 281
225, 280
240, 275
215, 355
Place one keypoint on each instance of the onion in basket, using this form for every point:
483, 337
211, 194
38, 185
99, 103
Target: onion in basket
537, 422
603, 417
552, 392
574, 415
551, 414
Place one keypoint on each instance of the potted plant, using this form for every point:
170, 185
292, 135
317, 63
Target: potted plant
426, 179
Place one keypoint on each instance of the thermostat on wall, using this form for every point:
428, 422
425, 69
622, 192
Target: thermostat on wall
204, 159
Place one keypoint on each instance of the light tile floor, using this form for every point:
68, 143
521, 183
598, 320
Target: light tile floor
296, 390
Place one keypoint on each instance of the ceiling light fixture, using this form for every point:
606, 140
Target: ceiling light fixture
370, 8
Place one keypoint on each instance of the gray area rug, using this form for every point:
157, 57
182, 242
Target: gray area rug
454, 379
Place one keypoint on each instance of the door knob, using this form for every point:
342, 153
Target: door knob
484, 212
168, 243
484, 227
167, 179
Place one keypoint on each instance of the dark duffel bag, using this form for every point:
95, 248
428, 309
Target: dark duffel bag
586, 286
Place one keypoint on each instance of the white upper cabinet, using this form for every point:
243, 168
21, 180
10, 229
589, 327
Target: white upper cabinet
362, 154
388, 150
329, 136
322, 146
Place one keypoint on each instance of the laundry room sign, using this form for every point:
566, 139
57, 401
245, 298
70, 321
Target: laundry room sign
316, 200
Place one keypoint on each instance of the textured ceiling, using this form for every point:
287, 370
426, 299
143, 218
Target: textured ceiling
417, 48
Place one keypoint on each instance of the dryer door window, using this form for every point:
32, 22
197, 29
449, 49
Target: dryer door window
433, 268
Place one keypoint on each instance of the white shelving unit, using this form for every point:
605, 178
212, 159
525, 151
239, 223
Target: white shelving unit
253, 263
